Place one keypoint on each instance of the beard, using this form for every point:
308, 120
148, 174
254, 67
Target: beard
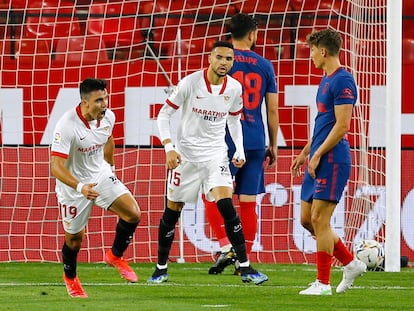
219, 74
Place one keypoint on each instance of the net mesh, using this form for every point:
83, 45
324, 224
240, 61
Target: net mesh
142, 48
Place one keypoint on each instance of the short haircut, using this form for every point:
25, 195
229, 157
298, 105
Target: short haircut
328, 39
90, 84
241, 24
225, 44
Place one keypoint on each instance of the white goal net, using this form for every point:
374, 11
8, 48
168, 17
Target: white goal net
142, 48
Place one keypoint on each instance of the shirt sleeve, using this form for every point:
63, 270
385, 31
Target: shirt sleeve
345, 91
62, 139
179, 95
237, 105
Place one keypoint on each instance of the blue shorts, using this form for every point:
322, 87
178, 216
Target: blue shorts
249, 179
329, 184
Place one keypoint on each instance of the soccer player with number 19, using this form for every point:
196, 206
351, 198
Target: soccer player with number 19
82, 160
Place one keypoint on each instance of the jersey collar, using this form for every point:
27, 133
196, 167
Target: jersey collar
223, 87
79, 113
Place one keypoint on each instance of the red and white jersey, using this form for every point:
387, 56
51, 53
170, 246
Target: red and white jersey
204, 112
82, 143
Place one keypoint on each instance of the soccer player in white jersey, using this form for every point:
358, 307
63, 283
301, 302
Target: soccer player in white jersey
209, 99
82, 160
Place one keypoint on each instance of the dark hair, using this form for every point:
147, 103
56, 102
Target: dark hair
241, 24
89, 85
327, 38
225, 44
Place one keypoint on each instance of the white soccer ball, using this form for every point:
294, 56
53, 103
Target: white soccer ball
371, 253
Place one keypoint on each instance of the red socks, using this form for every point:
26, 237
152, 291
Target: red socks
323, 264
248, 218
324, 261
342, 253
216, 222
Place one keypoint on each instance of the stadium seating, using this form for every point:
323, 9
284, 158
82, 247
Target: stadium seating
49, 21
329, 13
408, 8
212, 9
161, 20
117, 23
4, 8
408, 19
263, 6
25, 50
81, 50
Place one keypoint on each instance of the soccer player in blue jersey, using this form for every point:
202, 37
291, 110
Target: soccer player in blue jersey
257, 76
329, 163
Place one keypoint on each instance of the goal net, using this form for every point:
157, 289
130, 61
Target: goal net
143, 48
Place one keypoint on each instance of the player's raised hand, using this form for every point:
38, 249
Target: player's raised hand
173, 159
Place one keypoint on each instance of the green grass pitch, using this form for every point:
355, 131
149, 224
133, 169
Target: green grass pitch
39, 286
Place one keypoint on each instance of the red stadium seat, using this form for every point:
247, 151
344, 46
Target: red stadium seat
301, 49
49, 21
194, 47
117, 23
264, 6
408, 28
212, 9
25, 50
161, 20
81, 50
408, 51
322, 13
4, 8
408, 8
18, 4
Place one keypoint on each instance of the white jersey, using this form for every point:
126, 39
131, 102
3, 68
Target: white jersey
82, 142
205, 108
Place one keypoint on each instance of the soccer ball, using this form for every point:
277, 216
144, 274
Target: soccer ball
371, 253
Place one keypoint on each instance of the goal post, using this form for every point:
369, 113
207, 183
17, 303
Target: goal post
143, 49
393, 124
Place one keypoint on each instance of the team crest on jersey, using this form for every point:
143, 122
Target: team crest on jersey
57, 139
106, 128
226, 98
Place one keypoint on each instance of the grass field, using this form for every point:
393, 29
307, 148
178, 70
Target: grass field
39, 286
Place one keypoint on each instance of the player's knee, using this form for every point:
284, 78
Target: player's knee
170, 217
175, 206
74, 242
131, 214
308, 226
